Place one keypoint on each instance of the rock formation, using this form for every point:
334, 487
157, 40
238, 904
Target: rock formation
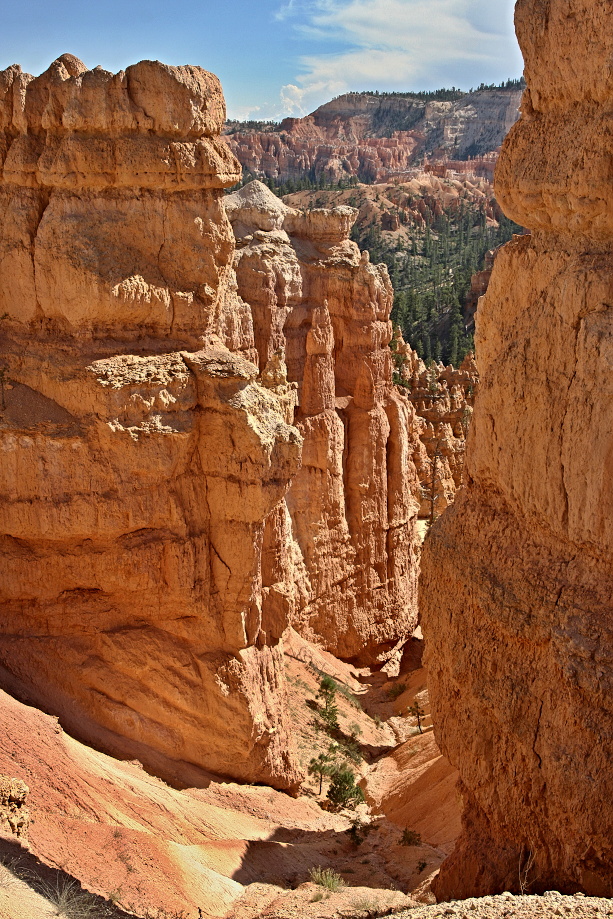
149, 564
374, 137
443, 398
141, 457
517, 575
13, 812
319, 306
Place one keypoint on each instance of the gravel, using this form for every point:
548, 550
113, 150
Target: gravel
509, 906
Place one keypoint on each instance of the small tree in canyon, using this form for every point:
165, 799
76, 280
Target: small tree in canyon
343, 791
418, 713
322, 766
429, 491
328, 709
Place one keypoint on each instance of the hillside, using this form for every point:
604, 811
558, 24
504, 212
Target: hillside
373, 137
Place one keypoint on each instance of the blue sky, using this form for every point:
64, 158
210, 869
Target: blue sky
276, 57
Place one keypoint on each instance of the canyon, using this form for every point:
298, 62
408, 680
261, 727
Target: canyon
219, 458
202, 440
373, 137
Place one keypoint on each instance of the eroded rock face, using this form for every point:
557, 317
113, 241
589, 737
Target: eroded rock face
14, 815
443, 398
151, 556
141, 457
375, 137
517, 576
323, 310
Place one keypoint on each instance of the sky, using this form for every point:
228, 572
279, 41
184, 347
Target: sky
276, 57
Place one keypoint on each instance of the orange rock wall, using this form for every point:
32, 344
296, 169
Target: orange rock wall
141, 458
443, 399
320, 303
517, 576
149, 563
376, 137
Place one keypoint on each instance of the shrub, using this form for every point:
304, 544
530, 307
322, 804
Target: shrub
358, 831
410, 838
326, 878
343, 791
394, 691
70, 900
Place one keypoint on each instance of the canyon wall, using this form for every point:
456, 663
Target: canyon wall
140, 456
517, 576
373, 137
149, 565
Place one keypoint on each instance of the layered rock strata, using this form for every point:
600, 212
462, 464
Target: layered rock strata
517, 576
320, 307
141, 458
149, 563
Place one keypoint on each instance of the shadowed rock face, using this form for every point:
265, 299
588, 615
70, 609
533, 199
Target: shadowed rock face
517, 576
149, 564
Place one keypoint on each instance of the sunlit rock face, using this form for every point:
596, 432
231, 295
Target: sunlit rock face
161, 522
141, 457
316, 300
517, 577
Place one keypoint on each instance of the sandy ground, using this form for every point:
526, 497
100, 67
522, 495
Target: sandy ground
231, 850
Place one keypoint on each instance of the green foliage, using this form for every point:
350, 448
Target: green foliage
410, 838
327, 715
326, 878
322, 766
359, 830
420, 866
343, 791
431, 277
418, 713
247, 127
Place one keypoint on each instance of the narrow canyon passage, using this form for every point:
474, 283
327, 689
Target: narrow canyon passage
219, 461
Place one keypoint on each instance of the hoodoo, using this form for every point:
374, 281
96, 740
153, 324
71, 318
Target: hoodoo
517, 575
153, 410
352, 507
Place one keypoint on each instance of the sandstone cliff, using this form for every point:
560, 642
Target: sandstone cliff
321, 307
148, 561
140, 456
373, 137
517, 576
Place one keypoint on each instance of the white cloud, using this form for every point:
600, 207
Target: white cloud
286, 10
402, 44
